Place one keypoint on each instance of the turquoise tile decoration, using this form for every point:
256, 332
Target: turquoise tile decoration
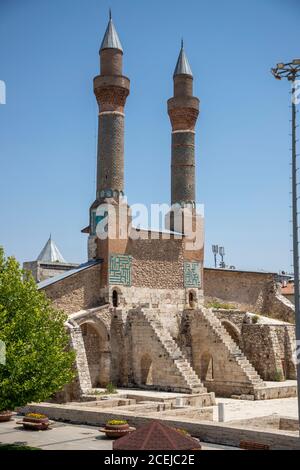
192, 276
120, 270
95, 221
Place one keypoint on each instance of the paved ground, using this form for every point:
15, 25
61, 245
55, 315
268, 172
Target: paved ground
244, 409
63, 436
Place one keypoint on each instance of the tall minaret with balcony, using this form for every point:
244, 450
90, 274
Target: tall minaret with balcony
183, 110
111, 89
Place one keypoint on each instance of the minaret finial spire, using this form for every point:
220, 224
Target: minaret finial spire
182, 66
111, 39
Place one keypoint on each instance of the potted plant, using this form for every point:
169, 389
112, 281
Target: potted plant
116, 428
5, 415
35, 421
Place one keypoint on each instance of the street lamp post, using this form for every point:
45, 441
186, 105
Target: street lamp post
291, 71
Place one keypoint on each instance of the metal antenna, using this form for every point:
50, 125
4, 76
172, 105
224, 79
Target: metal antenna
222, 254
110, 15
215, 250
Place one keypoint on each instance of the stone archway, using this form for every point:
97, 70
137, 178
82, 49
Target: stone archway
97, 350
233, 331
146, 370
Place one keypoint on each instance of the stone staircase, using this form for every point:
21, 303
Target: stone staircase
235, 353
191, 381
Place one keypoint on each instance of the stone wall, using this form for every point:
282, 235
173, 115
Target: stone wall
253, 291
153, 356
269, 349
268, 345
214, 356
42, 271
157, 264
78, 292
219, 433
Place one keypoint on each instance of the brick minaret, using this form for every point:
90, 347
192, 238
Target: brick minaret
111, 89
183, 110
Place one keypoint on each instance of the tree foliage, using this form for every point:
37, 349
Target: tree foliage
38, 360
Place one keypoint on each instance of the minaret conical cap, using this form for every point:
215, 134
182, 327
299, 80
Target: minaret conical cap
182, 66
111, 39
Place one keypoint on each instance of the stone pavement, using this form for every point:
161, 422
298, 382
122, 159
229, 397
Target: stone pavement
236, 410
64, 436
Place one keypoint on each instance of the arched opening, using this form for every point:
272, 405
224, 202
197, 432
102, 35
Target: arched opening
115, 298
146, 370
192, 299
206, 367
232, 330
97, 353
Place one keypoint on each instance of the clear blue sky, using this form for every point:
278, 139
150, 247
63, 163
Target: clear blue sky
48, 58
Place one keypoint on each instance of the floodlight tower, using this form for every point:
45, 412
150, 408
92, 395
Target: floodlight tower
222, 254
215, 250
291, 71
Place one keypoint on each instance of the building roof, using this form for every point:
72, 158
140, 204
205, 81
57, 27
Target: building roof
156, 436
183, 66
71, 272
111, 39
50, 253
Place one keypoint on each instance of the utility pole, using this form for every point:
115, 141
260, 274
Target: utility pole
291, 71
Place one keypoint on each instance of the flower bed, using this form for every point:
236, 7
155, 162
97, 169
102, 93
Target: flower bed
35, 421
116, 428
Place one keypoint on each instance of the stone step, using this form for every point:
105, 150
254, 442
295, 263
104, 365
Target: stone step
235, 352
184, 370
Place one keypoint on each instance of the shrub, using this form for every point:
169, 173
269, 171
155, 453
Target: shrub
110, 388
38, 360
216, 304
255, 319
278, 376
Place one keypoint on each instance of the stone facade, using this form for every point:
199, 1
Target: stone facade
269, 349
253, 291
77, 292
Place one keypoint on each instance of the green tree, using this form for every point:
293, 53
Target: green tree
38, 359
